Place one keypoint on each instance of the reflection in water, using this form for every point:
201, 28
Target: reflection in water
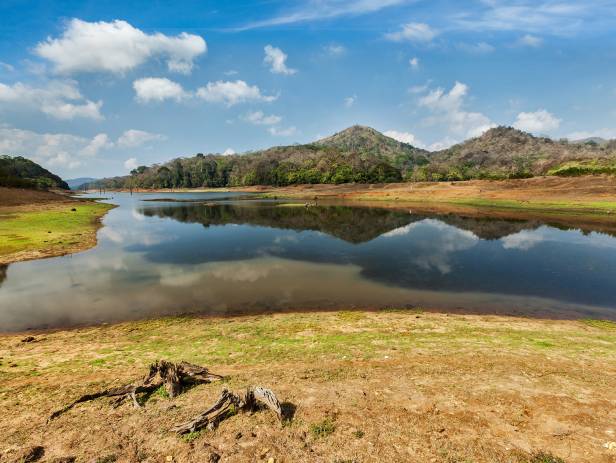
3, 270
172, 257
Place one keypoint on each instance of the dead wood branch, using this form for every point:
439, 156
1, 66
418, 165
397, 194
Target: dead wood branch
175, 377
228, 404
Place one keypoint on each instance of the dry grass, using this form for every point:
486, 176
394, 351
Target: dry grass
368, 386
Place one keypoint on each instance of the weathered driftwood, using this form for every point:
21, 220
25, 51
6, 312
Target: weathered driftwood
173, 376
228, 404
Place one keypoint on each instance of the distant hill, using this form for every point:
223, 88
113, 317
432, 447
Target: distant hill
22, 173
75, 183
364, 155
505, 152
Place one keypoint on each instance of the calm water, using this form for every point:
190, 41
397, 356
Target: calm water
217, 255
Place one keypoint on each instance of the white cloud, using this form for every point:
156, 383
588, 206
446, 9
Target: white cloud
58, 99
228, 152
282, 132
480, 48
606, 133
447, 109
277, 60
529, 40
537, 122
117, 47
413, 32
403, 137
315, 10
259, 118
414, 63
51, 149
132, 138
99, 142
231, 72
533, 16
334, 49
158, 89
131, 163
232, 93
350, 101
6, 66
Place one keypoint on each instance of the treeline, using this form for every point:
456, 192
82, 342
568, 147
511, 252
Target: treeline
278, 166
19, 172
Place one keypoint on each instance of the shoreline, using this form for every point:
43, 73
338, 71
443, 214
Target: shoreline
41, 225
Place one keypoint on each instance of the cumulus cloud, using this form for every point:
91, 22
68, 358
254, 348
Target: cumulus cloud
413, 32
131, 163
260, 118
158, 89
228, 152
232, 93
414, 63
282, 132
58, 99
277, 60
117, 47
403, 137
447, 109
350, 101
537, 122
52, 149
132, 138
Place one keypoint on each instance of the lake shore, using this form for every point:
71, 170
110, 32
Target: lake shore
40, 224
396, 385
585, 195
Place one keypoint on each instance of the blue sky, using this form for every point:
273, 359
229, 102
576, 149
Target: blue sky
95, 88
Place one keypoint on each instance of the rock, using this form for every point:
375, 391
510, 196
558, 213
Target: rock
70, 459
214, 458
28, 339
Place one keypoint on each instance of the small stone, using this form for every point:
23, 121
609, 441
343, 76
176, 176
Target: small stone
169, 458
271, 460
28, 339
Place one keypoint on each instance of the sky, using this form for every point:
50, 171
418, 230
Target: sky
91, 88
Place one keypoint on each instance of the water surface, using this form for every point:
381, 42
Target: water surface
212, 253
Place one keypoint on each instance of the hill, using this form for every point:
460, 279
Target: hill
75, 183
504, 152
22, 173
363, 155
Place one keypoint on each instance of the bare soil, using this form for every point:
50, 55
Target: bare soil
395, 386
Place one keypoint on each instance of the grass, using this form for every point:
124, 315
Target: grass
363, 383
322, 429
55, 229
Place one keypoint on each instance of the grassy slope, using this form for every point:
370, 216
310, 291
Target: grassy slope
49, 229
386, 386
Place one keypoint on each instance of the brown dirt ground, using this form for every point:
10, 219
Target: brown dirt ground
587, 188
396, 386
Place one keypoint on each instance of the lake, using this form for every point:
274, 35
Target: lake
215, 253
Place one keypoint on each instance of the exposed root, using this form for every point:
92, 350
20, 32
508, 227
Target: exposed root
175, 377
228, 404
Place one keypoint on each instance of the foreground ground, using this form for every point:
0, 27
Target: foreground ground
36, 224
391, 386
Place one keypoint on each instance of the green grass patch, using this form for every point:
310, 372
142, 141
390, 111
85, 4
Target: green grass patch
55, 228
601, 324
322, 429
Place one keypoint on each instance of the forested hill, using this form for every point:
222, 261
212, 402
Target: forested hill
22, 173
358, 154
364, 155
